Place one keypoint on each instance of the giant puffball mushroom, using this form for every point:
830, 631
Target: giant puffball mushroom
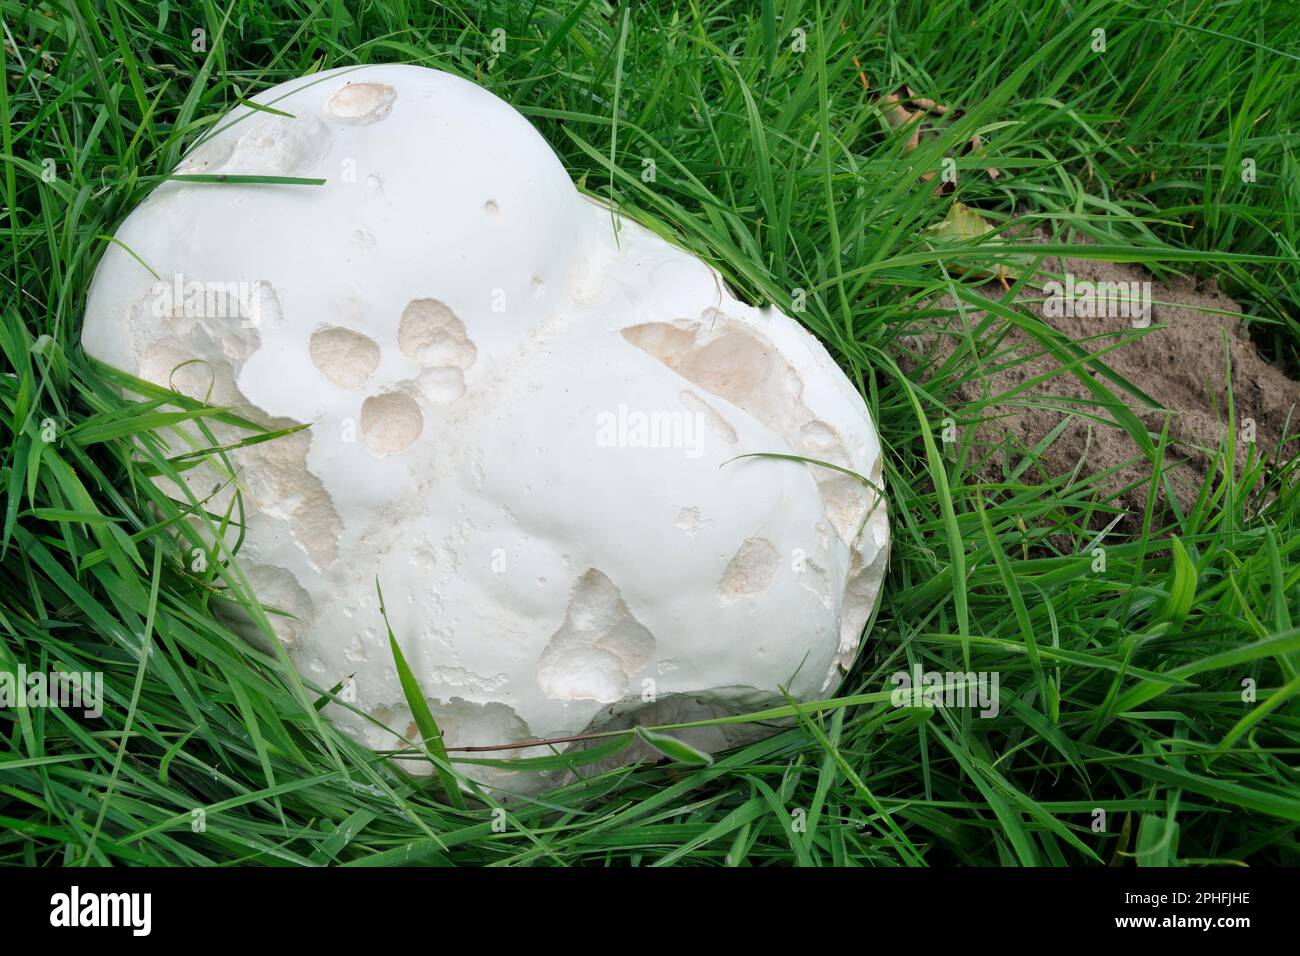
525, 423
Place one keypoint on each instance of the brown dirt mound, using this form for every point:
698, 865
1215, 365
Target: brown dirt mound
1182, 366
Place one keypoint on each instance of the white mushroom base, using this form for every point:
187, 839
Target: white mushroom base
524, 425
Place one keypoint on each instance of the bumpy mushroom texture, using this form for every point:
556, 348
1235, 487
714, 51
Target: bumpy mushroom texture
529, 428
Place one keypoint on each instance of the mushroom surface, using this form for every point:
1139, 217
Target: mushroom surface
525, 422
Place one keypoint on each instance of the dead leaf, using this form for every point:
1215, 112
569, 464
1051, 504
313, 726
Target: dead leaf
963, 224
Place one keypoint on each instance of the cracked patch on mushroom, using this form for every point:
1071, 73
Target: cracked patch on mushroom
434, 336
750, 570
277, 145
345, 357
459, 677
165, 363
860, 592
359, 104
462, 723
199, 347
390, 422
279, 484
738, 365
599, 648
816, 579
286, 603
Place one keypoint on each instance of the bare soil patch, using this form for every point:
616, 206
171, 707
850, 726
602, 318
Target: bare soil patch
1181, 361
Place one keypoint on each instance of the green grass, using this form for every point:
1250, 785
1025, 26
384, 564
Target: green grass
1122, 689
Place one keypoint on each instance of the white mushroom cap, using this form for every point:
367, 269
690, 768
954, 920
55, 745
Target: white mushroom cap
523, 424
